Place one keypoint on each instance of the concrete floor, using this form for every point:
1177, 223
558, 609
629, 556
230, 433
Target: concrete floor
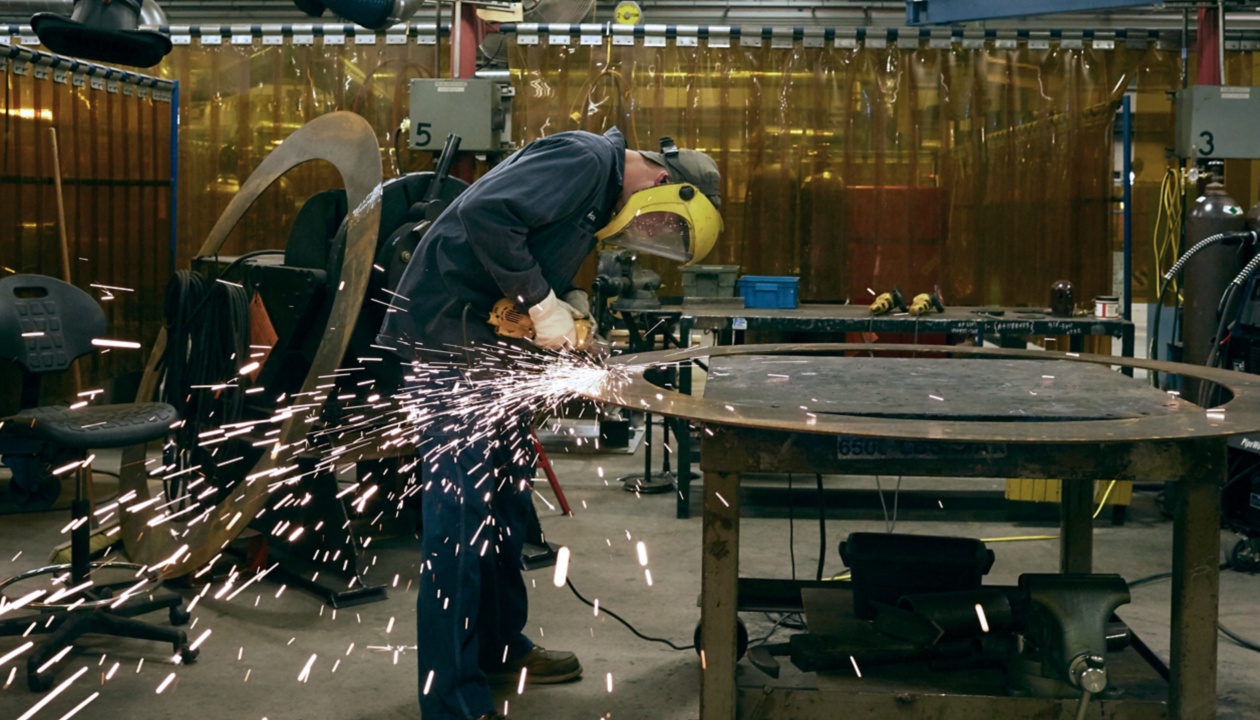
362, 665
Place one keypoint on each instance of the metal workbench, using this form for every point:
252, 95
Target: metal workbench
997, 325
959, 417
1063, 431
984, 323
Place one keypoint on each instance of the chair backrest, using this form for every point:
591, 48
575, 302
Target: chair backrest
45, 323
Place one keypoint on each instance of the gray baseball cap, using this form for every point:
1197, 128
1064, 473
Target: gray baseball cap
689, 166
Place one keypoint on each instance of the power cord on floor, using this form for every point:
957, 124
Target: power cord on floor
781, 622
791, 527
621, 620
1239, 639
822, 528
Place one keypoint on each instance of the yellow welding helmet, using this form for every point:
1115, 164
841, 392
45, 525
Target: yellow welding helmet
674, 221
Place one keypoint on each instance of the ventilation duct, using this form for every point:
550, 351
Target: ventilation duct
103, 30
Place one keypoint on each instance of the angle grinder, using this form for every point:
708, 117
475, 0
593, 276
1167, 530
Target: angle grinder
885, 302
925, 303
511, 320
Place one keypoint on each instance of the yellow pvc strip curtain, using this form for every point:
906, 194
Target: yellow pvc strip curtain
985, 170
239, 101
113, 138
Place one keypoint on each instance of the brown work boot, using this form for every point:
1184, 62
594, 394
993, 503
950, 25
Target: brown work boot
541, 666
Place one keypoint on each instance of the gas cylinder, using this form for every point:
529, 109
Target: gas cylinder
1208, 273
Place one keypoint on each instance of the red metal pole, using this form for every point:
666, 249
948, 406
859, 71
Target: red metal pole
1207, 46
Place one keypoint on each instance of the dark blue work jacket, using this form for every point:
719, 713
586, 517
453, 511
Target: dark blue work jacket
520, 231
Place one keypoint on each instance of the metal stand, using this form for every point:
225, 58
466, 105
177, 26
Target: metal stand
337, 553
650, 482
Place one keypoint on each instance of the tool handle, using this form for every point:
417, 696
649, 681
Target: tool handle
1083, 706
449, 148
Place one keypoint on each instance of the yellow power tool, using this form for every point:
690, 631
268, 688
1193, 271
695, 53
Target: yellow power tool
887, 301
510, 320
925, 303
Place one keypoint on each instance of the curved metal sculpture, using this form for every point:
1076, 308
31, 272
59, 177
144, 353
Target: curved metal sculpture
1240, 415
349, 143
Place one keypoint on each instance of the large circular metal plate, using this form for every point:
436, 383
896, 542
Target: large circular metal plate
1241, 414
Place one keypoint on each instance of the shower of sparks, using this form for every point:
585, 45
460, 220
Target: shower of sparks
207, 462
27, 646
984, 621
53, 694
306, 671
562, 566
124, 344
111, 287
520, 686
197, 643
75, 710
54, 659
856, 669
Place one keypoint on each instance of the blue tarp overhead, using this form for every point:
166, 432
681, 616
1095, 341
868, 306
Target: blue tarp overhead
939, 12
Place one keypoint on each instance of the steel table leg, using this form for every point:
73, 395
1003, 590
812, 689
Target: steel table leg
1076, 536
1195, 590
719, 595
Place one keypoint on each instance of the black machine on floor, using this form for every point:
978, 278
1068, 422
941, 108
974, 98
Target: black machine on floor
271, 306
1240, 497
917, 606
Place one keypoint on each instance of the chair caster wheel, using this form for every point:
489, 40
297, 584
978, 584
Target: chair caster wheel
741, 639
39, 682
179, 616
187, 654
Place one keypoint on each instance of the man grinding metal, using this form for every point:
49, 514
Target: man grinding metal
520, 232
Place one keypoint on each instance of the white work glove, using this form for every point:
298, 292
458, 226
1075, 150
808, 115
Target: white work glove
579, 303
553, 323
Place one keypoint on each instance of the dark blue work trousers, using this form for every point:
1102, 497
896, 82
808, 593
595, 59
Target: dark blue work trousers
472, 606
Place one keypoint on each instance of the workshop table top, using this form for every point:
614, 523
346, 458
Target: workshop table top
945, 388
1094, 408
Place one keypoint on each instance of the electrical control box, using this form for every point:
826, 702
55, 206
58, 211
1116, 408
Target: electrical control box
479, 110
1218, 121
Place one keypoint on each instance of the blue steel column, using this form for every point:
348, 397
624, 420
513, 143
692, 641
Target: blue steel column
174, 201
1126, 119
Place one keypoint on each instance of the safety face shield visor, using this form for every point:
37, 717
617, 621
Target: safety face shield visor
673, 221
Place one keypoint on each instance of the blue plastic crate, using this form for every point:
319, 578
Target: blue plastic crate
767, 291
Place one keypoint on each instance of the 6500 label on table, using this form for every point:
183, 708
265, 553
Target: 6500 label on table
857, 447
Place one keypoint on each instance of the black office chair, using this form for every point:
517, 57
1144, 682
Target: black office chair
45, 324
